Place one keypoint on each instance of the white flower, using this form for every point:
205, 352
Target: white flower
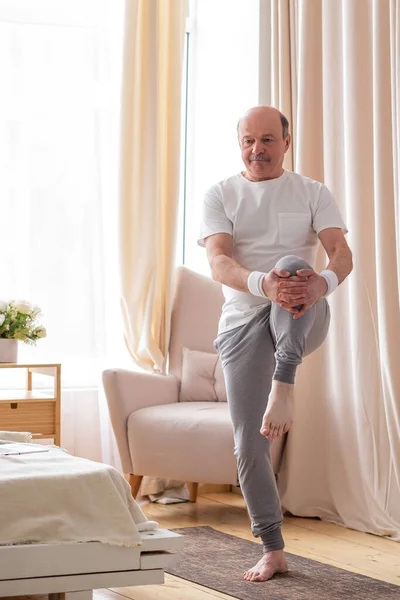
41, 332
22, 306
2, 319
3, 306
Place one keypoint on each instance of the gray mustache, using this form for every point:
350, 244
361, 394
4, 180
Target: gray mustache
260, 157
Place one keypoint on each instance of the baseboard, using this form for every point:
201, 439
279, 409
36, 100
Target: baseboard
213, 488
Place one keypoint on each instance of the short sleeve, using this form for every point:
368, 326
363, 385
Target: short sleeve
326, 212
214, 218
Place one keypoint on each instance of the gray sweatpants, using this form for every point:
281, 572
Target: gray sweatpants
270, 346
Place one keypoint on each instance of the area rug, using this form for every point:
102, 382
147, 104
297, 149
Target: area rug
217, 561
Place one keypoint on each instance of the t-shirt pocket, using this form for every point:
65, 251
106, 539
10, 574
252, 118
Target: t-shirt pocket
294, 229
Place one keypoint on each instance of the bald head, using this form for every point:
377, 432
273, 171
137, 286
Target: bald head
263, 134
263, 114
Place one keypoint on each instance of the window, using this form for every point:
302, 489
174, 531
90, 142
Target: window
223, 72
60, 68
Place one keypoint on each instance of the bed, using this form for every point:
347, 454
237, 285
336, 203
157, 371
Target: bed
69, 526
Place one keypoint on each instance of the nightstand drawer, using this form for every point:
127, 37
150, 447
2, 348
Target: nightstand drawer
36, 417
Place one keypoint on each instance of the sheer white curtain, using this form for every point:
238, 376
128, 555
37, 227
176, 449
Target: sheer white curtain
60, 66
223, 83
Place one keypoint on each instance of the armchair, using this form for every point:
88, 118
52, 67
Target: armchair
177, 426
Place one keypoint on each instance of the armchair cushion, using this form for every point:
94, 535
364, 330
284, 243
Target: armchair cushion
202, 377
190, 441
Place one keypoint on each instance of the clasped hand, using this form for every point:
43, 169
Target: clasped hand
295, 293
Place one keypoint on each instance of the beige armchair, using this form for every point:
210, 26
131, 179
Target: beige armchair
177, 426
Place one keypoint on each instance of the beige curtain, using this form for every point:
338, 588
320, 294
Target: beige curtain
150, 159
334, 69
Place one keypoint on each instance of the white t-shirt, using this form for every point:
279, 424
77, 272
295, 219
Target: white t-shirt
267, 220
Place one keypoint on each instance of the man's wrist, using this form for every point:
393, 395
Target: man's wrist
255, 284
331, 279
324, 287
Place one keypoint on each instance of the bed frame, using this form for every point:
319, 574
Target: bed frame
73, 571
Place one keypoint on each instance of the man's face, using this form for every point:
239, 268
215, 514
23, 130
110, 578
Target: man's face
262, 144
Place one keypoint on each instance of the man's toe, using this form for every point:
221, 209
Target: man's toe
266, 429
287, 426
274, 431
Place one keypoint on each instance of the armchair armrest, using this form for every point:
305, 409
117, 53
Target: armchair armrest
127, 391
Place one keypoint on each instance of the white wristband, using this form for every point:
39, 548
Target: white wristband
254, 283
331, 279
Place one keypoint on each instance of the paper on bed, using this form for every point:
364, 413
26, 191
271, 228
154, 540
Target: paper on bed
8, 448
53, 497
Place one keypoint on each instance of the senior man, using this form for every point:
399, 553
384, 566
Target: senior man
261, 229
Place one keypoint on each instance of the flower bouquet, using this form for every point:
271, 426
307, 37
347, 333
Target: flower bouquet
19, 321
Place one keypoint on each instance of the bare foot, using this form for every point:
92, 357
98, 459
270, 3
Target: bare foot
277, 419
270, 564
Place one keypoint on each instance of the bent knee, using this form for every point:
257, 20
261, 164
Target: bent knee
292, 263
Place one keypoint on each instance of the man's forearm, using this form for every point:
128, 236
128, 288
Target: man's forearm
229, 272
341, 262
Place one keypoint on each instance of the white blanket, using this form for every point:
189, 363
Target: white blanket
53, 497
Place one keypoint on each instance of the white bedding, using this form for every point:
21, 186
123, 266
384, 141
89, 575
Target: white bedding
53, 497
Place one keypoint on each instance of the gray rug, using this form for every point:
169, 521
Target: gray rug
217, 561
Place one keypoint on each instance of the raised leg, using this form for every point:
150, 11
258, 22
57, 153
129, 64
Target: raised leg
293, 339
135, 481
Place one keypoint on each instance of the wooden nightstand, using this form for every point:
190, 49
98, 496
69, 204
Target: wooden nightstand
29, 410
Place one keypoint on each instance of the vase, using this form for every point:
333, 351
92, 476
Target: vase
8, 351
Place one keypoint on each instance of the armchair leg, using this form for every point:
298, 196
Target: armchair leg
193, 487
135, 481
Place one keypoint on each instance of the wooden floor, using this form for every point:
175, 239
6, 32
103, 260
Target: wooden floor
351, 550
